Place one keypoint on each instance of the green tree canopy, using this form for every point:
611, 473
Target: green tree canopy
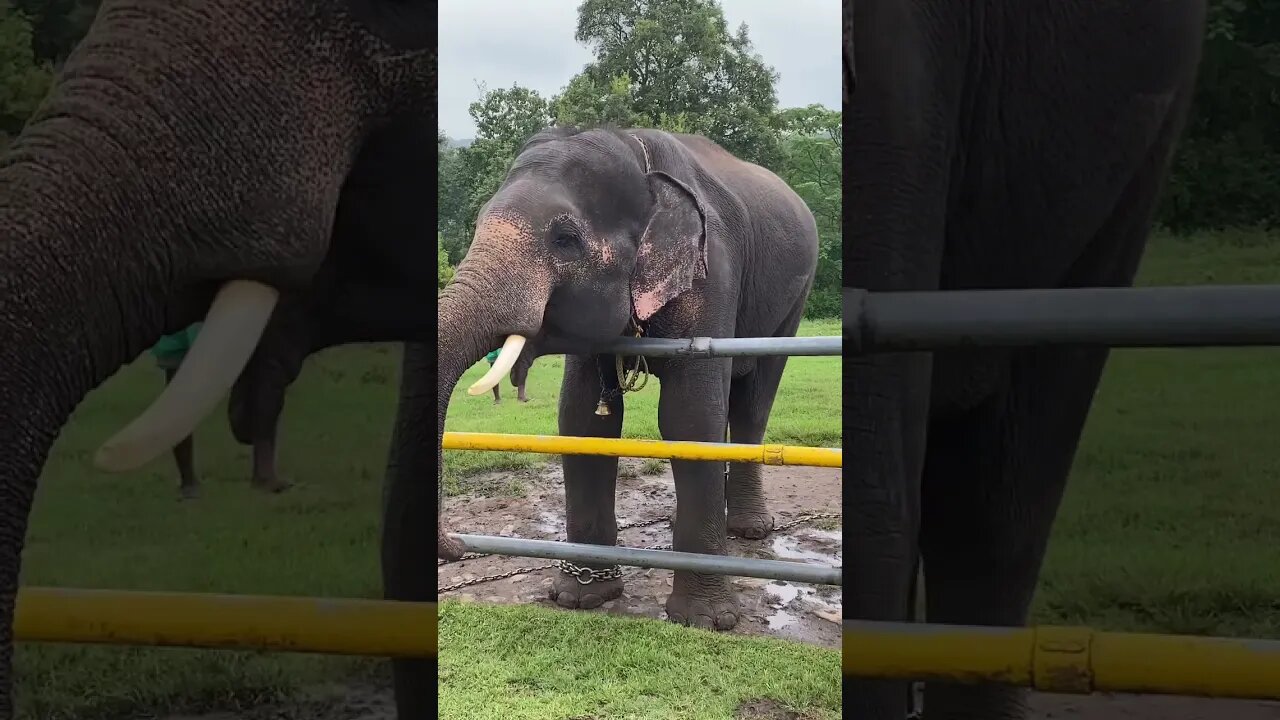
24, 81
674, 64
444, 269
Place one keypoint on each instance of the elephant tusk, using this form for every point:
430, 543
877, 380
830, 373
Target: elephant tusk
506, 360
236, 319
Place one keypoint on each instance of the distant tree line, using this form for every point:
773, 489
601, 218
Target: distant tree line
1227, 171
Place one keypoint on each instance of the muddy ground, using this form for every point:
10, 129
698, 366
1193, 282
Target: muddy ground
795, 612
804, 613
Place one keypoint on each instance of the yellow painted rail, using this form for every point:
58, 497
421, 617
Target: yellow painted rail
247, 622
1065, 659
663, 449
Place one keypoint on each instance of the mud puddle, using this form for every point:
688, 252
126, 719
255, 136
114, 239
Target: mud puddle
793, 611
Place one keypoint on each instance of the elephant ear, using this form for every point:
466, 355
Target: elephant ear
673, 248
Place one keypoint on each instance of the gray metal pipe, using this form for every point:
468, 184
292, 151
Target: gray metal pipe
704, 347
1206, 315
636, 557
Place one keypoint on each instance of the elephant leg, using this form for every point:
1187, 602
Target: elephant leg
993, 479
995, 475
589, 480
184, 457
693, 407
265, 476
902, 129
408, 502
750, 401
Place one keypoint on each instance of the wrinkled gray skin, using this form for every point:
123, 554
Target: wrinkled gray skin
579, 237
187, 143
1008, 144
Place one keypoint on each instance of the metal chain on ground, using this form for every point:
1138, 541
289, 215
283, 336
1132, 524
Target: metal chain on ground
809, 517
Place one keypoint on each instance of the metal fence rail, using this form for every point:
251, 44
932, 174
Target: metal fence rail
246, 622
1221, 315
664, 449
639, 557
705, 347
768, 454
1064, 659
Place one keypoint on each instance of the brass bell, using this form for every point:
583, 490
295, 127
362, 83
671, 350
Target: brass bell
602, 408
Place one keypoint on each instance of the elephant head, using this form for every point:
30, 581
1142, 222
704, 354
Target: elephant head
588, 231
189, 162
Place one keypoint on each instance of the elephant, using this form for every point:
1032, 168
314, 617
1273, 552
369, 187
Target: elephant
263, 165
597, 233
517, 380
169, 353
993, 145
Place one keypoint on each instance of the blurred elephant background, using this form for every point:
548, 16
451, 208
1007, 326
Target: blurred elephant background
1007, 144
259, 165
168, 353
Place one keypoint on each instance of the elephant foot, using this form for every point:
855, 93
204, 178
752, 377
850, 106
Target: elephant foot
271, 485
188, 492
750, 525
709, 605
448, 548
571, 594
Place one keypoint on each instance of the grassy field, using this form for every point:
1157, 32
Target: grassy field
1172, 520
95, 530
518, 664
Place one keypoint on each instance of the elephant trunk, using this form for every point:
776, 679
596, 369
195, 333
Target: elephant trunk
479, 312
66, 324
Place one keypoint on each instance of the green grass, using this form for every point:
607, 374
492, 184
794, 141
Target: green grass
128, 532
805, 413
1171, 523
530, 663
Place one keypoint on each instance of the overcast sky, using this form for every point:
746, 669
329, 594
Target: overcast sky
530, 43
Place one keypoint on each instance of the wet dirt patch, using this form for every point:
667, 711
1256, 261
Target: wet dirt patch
793, 611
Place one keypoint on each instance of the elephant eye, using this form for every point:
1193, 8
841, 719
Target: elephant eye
564, 234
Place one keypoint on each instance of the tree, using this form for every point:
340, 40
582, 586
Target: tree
58, 25
674, 64
444, 270
1225, 170
504, 119
585, 102
453, 192
811, 165
23, 80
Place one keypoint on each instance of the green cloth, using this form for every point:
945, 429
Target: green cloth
492, 357
177, 344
